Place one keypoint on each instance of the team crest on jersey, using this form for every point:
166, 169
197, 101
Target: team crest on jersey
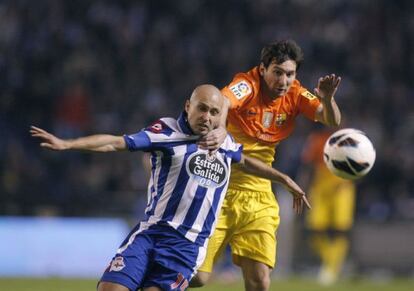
267, 119
208, 171
308, 95
280, 119
117, 264
241, 90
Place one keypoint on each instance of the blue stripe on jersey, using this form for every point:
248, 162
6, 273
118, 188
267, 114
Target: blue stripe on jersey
162, 178
183, 123
211, 217
195, 208
179, 188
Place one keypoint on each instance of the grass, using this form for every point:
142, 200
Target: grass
296, 284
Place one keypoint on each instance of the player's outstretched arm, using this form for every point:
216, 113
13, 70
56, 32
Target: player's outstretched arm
96, 143
328, 112
260, 169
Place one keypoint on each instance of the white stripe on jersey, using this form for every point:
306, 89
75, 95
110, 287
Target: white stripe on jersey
153, 181
171, 199
201, 217
170, 183
184, 205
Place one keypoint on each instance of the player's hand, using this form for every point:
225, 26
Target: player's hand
48, 140
212, 140
299, 196
327, 87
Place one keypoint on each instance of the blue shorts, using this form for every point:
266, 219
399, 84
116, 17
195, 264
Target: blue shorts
158, 256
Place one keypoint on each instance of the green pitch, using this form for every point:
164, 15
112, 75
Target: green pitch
17, 284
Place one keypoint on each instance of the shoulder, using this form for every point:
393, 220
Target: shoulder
242, 86
301, 91
229, 144
165, 125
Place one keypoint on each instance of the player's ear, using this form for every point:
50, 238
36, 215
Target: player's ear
187, 106
261, 69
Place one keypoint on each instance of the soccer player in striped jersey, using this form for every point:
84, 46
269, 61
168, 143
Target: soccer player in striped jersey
185, 193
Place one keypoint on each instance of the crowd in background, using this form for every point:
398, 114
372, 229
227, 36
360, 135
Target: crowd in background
81, 67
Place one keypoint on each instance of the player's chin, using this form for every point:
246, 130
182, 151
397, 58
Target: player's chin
203, 131
279, 93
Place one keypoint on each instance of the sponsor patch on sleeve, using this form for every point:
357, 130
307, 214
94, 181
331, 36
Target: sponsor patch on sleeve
157, 127
308, 95
241, 89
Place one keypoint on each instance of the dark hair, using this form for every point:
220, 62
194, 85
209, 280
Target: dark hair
282, 51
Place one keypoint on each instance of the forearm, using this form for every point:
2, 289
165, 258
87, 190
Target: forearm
97, 143
331, 113
260, 169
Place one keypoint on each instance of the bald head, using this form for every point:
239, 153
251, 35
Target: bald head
207, 91
204, 108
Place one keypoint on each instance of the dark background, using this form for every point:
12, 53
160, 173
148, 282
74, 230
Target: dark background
81, 67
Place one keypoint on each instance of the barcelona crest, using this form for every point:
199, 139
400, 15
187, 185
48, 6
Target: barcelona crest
280, 119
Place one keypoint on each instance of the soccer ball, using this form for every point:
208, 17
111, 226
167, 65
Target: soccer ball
349, 154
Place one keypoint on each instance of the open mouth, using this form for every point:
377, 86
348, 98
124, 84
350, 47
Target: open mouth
280, 90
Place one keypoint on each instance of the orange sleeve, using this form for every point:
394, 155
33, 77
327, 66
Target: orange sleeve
308, 103
238, 91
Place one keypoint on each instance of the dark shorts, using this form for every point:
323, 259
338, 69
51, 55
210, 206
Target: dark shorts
158, 256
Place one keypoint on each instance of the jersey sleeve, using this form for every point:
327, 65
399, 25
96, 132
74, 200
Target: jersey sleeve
238, 91
155, 134
234, 150
308, 103
137, 141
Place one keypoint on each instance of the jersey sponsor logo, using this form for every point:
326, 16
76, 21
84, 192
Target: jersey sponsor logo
280, 119
308, 95
156, 127
117, 264
241, 90
267, 119
209, 171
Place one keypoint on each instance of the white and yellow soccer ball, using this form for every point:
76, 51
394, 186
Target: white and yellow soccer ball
349, 154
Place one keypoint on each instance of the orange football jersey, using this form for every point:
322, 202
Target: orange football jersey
261, 117
260, 123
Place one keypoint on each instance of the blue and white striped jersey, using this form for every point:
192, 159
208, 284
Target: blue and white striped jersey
187, 186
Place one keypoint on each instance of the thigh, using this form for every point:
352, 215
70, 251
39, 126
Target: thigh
255, 235
108, 286
174, 262
344, 205
318, 219
218, 240
128, 268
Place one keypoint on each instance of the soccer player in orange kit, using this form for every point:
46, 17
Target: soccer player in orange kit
263, 105
333, 201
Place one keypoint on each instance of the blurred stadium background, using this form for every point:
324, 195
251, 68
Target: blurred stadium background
80, 67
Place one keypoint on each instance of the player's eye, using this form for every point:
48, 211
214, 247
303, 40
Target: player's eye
214, 112
203, 108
